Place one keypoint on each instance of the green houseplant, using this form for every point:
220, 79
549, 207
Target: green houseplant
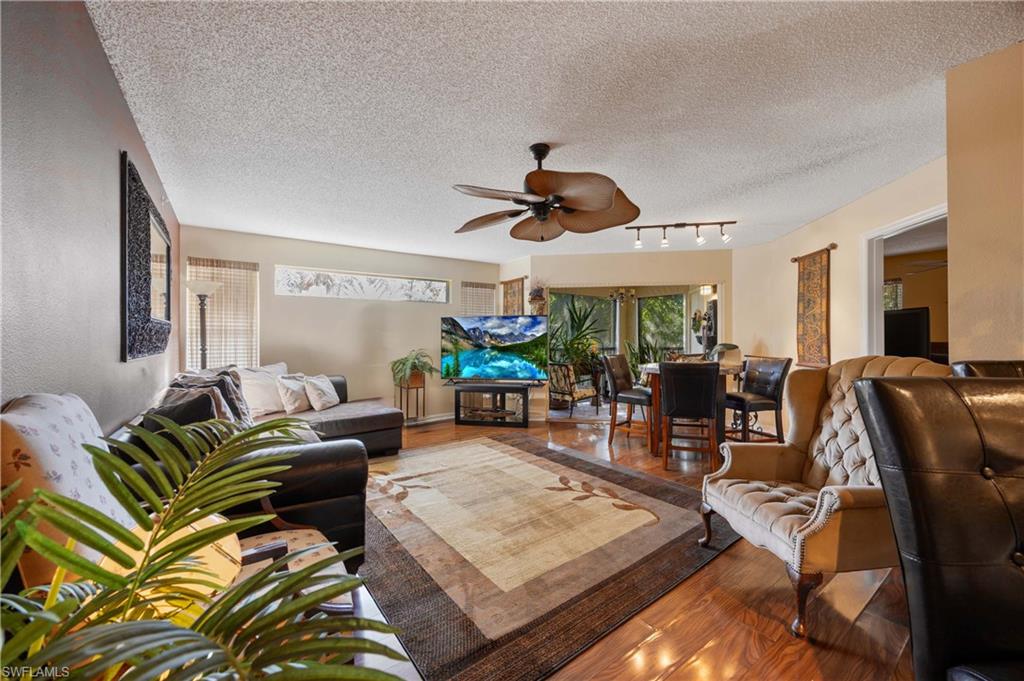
411, 371
156, 619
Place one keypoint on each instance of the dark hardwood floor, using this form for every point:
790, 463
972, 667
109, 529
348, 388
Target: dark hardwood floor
730, 619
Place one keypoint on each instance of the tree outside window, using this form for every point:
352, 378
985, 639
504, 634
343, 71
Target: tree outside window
662, 321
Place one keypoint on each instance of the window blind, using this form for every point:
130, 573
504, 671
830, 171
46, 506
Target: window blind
477, 298
232, 313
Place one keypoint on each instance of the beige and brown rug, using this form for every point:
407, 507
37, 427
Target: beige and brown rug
500, 557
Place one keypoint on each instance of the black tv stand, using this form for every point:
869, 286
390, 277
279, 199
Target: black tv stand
497, 414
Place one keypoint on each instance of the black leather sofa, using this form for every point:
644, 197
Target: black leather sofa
377, 426
950, 453
325, 488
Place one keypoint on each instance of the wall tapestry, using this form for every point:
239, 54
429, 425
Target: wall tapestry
512, 296
297, 281
812, 308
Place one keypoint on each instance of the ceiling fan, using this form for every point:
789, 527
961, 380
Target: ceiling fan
557, 202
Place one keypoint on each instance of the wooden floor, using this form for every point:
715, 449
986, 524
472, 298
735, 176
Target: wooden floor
729, 620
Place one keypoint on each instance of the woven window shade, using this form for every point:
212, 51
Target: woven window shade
477, 298
232, 313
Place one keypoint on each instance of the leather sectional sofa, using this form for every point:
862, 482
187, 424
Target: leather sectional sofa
377, 426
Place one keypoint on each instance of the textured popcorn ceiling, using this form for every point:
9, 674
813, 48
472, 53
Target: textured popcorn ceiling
349, 123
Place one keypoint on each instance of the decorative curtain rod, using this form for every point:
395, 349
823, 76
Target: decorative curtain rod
831, 247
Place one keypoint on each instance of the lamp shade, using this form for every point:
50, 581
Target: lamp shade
201, 287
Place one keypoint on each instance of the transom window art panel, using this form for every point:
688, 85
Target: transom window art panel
302, 281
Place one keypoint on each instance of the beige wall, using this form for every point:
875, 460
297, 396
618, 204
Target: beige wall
357, 338
764, 312
923, 288
985, 146
65, 122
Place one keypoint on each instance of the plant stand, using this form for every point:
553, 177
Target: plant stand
414, 388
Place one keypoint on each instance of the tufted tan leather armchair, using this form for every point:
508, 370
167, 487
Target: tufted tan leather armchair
815, 500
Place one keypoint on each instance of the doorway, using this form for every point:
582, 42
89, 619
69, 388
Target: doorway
910, 311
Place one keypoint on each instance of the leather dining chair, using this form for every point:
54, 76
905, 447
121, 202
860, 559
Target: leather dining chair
622, 388
689, 397
763, 380
950, 453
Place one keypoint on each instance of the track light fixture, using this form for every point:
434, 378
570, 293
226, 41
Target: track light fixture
701, 239
726, 238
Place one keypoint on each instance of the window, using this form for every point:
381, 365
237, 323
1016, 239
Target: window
477, 298
232, 313
605, 316
892, 294
662, 321
300, 281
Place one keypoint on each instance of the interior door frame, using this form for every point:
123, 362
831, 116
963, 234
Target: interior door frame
873, 272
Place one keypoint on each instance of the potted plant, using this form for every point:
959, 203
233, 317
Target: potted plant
411, 371
161, 614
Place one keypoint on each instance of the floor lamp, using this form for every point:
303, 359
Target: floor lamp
203, 290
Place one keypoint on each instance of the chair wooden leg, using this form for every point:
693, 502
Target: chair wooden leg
746, 425
705, 515
572, 405
778, 425
666, 440
629, 420
804, 585
613, 406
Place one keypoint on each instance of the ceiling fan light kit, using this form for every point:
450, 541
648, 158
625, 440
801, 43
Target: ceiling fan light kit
557, 202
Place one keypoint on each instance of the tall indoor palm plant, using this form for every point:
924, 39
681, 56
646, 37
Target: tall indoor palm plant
163, 616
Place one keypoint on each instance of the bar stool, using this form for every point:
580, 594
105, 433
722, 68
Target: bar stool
761, 390
622, 388
689, 397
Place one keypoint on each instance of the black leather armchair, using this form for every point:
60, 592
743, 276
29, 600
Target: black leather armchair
1002, 368
950, 453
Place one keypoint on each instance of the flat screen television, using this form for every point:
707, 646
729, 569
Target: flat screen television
908, 332
495, 347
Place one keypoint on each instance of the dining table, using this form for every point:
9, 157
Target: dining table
652, 372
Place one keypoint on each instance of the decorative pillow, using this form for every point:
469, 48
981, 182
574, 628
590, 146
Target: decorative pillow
259, 388
227, 386
321, 392
292, 389
188, 406
41, 438
279, 369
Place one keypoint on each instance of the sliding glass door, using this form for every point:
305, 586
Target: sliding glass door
605, 317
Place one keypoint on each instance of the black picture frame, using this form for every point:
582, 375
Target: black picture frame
142, 334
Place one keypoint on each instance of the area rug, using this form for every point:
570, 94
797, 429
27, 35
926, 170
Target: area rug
503, 558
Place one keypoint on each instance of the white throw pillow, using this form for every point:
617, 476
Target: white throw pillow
321, 392
279, 369
292, 389
259, 388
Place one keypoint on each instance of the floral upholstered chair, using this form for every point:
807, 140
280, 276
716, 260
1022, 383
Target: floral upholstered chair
562, 385
815, 500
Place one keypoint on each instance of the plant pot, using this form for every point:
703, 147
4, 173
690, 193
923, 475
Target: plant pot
417, 379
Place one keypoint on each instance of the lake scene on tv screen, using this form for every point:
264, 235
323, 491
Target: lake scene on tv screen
494, 347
